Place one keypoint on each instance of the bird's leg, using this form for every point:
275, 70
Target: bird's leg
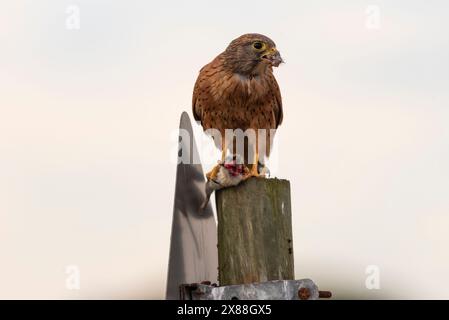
254, 172
223, 151
254, 168
211, 175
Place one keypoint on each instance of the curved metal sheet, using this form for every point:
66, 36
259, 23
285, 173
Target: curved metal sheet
193, 245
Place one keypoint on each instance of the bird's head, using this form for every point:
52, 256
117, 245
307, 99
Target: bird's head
251, 54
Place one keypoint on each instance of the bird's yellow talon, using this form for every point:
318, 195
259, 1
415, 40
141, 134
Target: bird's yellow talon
213, 173
251, 173
254, 172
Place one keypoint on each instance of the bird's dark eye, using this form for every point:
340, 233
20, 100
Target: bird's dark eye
258, 45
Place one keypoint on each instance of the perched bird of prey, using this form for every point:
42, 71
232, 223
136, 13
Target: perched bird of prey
238, 90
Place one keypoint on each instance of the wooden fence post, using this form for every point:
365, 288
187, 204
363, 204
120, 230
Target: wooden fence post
255, 232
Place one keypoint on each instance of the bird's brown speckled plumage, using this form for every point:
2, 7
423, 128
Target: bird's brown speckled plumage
238, 90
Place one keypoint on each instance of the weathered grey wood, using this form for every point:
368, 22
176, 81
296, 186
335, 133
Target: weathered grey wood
255, 232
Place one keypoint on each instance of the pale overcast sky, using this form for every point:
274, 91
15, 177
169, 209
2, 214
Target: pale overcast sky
87, 116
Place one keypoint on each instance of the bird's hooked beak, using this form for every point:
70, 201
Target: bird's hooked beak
273, 57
